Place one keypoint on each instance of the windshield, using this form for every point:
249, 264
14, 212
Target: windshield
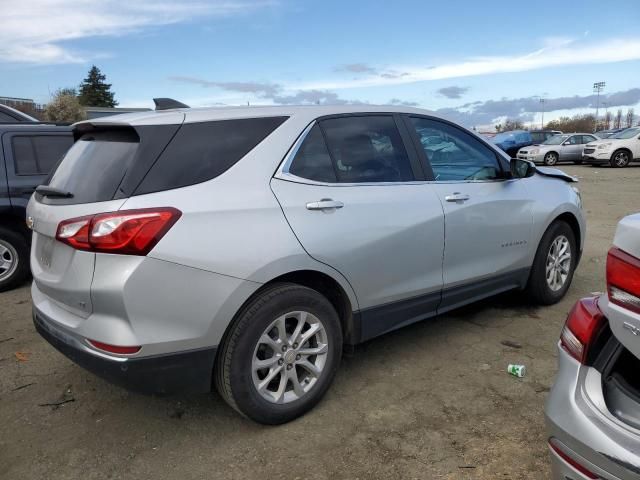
628, 133
555, 140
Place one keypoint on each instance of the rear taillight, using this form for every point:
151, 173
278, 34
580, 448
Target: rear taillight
126, 232
623, 279
584, 323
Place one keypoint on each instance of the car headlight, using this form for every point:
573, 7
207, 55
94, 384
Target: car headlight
578, 194
604, 146
535, 151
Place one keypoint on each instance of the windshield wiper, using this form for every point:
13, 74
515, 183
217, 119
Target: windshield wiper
53, 192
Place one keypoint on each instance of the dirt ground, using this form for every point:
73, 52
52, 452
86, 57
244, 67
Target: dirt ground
430, 401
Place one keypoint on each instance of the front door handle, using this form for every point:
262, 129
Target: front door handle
324, 204
457, 197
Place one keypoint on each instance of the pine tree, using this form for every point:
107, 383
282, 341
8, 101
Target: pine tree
94, 92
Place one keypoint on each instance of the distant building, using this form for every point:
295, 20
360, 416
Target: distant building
26, 105
97, 112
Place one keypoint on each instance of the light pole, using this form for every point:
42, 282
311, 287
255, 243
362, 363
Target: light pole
597, 88
542, 100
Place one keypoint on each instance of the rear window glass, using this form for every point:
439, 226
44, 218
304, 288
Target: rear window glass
202, 151
94, 167
37, 155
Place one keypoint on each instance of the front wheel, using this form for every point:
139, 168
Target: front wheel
550, 159
281, 354
620, 158
554, 265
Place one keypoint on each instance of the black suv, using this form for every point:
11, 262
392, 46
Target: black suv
28, 152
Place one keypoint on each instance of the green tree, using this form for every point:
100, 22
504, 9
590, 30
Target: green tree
95, 92
64, 107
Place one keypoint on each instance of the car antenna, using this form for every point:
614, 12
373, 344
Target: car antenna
168, 103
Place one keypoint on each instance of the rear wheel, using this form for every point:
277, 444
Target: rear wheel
620, 158
550, 159
14, 259
281, 354
554, 265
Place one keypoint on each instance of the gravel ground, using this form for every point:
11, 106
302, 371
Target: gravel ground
432, 400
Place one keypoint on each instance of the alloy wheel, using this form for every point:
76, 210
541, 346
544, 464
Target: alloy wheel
8, 260
289, 357
551, 159
558, 263
621, 159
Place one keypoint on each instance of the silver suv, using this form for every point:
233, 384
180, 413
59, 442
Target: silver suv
246, 246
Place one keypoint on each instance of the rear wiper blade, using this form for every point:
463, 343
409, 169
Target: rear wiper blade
53, 192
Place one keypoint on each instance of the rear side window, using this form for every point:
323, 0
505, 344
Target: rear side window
367, 149
37, 155
202, 151
94, 167
312, 160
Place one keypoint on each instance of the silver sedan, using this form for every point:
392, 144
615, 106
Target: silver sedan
559, 148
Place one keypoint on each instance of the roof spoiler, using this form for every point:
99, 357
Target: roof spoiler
168, 103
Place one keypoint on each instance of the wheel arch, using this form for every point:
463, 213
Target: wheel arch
625, 149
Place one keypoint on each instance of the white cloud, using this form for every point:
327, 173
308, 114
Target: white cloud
556, 52
34, 31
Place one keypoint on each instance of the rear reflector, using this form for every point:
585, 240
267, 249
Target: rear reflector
584, 323
126, 232
121, 350
623, 279
567, 459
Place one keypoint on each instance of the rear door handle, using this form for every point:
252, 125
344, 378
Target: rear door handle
324, 204
457, 197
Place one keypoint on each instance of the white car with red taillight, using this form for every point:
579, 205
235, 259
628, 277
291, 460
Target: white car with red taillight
593, 409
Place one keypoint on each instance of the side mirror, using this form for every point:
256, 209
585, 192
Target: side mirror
522, 168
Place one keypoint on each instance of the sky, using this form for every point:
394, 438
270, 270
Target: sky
476, 62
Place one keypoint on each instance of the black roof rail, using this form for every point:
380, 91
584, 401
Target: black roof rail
19, 124
168, 103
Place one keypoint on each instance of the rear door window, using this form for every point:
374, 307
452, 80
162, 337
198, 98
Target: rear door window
312, 160
37, 155
367, 149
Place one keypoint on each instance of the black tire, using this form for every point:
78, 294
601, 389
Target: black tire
538, 289
620, 158
578, 162
233, 369
550, 159
13, 246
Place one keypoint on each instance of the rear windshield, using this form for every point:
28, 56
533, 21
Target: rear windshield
94, 167
118, 163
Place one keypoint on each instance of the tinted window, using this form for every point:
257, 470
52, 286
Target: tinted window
312, 160
538, 137
94, 167
455, 154
202, 151
37, 155
5, 117
367, 149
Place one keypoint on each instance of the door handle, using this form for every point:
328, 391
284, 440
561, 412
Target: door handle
324, 204
457, 197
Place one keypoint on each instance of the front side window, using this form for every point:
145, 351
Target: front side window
574, 140
37, 155
454, 154
367, 149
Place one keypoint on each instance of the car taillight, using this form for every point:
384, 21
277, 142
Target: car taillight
119, 349
582, 327
126, 232
623, 279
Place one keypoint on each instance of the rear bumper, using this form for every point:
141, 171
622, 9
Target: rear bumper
189, 371
578, 420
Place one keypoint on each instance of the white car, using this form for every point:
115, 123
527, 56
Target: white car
618, 150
